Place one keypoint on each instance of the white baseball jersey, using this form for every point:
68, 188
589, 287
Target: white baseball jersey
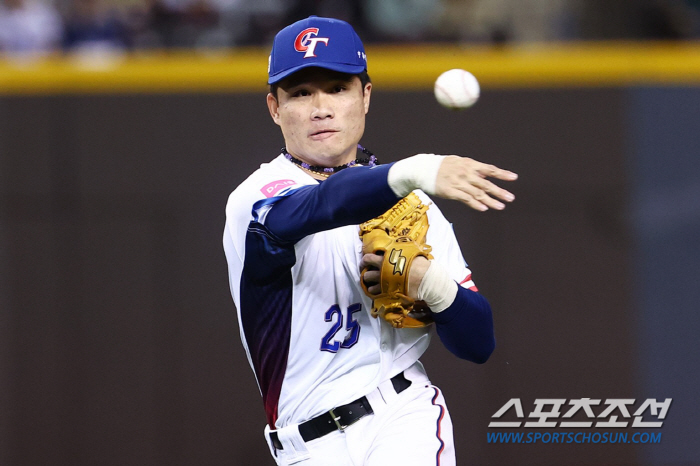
304, 320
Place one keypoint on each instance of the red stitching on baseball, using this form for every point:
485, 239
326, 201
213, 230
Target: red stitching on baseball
449, 97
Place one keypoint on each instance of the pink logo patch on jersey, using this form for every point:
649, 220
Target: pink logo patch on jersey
273, 188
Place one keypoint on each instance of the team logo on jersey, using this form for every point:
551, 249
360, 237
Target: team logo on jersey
397, 260
307, 42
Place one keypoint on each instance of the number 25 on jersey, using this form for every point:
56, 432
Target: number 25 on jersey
335, 315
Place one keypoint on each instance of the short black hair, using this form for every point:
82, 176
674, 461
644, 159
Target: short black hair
364, 80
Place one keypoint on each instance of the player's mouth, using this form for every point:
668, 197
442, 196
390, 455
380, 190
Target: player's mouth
322, 134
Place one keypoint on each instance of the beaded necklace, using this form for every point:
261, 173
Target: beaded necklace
371, 160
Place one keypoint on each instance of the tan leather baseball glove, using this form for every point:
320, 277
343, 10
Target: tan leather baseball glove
399, 234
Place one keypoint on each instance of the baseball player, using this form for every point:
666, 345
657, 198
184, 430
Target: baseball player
339, 386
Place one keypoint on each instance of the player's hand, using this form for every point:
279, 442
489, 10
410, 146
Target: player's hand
373, 264
464, 179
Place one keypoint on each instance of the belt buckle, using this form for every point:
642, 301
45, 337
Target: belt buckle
336, 419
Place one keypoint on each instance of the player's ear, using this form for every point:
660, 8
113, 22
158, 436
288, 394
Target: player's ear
273, 107
366, 96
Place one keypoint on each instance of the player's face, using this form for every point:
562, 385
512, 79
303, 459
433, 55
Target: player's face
321, 114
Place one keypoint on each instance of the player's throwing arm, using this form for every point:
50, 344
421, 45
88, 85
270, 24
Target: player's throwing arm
452, 177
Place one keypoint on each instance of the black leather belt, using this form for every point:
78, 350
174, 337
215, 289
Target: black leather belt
341, 417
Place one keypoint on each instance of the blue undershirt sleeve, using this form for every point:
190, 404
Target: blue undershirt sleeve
349, 197
466, 327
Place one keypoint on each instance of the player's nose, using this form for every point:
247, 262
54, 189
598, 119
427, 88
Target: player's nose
322, 106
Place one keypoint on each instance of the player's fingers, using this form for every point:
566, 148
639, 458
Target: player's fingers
476, 198
468, 177
465, 165
492, 189
481, 196
464, 197
371, 261
493, 171
371, 277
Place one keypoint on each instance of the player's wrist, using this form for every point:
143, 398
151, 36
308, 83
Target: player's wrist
437, 289
417, 172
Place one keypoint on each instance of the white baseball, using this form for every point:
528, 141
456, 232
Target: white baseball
457, 89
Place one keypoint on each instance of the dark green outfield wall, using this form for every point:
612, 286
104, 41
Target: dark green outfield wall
118, 337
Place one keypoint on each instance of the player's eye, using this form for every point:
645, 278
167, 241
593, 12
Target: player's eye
300, 93
339, 88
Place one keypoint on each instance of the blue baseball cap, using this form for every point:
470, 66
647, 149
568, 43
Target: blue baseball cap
324, 42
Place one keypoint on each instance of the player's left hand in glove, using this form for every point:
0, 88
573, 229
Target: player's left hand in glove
399, 236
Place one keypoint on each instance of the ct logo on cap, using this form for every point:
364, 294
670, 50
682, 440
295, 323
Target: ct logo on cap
306, 42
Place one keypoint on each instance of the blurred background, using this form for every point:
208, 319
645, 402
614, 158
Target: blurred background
44, 26
124, 125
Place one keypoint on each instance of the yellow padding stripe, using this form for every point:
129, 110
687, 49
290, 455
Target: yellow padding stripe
391, 68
